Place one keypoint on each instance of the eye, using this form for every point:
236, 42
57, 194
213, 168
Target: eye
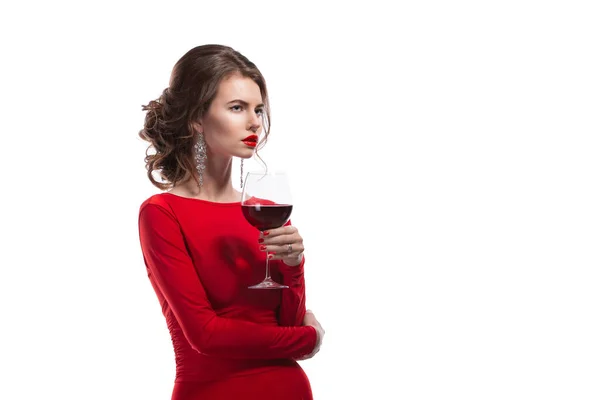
260, 111
237, 107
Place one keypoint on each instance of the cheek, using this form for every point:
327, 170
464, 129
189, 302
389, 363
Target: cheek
223, 131
228, 124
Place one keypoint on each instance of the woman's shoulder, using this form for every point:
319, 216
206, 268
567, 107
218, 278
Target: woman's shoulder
157, 198
160, 200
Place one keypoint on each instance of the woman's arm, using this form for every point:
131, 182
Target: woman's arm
169, 263
293, 300
285, 246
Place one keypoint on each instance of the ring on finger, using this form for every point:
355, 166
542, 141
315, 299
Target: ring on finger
289, 249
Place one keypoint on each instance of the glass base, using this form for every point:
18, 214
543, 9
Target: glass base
268, 284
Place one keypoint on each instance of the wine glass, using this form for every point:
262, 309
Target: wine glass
267, 204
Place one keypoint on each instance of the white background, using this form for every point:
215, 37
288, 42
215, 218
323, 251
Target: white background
445, 164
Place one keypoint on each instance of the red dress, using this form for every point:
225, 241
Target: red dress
229, 341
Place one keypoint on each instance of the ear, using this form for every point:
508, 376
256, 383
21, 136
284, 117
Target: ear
198, 127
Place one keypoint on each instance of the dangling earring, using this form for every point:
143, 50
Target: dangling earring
241, 173
200, 157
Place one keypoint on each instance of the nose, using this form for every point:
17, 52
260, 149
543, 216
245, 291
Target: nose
255, 121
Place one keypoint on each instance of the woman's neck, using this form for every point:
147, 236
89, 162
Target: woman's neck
216, 184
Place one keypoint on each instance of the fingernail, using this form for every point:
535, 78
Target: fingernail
265, 233
261, 240
270, 256
263, 247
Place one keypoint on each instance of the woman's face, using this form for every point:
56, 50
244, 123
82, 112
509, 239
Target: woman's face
233, 122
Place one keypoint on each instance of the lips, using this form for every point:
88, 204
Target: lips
251, 140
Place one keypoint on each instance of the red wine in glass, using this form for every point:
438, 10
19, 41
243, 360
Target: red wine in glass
267, 204
265, 217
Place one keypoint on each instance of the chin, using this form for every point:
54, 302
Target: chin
246, 154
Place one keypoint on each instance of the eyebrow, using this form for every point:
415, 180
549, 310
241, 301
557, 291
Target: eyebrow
245, 103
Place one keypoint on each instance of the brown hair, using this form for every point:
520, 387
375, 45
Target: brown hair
193, 85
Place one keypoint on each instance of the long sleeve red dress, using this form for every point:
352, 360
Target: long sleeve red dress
229, 341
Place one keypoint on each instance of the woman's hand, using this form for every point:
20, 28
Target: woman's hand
283, 243
311, 320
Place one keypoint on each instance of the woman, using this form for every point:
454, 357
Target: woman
201, 254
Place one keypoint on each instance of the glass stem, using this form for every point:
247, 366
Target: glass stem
268, 272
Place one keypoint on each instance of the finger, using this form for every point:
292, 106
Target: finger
284, 230
286, 256
289, 250
283, 249
283, 240
309, 319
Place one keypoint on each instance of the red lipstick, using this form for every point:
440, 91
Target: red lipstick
251, 140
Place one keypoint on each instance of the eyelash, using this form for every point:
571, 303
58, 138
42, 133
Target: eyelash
259, 111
